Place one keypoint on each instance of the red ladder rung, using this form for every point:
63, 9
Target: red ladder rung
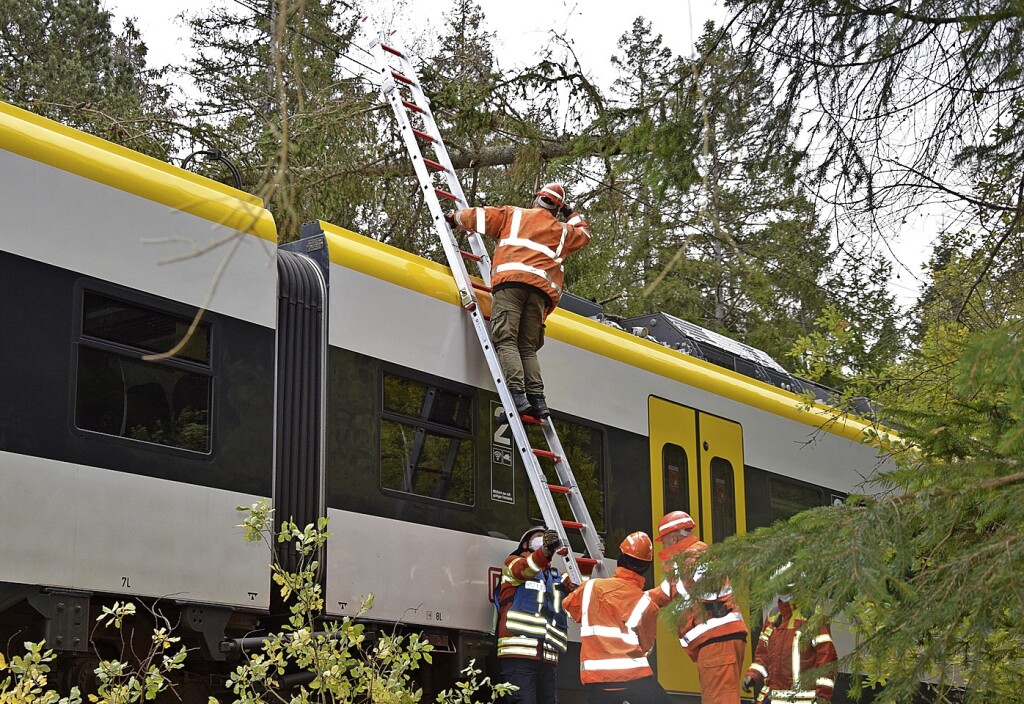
423, 135
402, 79
470, 255
546, 453
559, 489
586, 563
392, 50
445, 194
573, 524
528, 420
414, 107
481, 287
436, 165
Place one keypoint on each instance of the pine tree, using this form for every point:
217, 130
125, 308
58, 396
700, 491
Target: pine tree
62, 59
281, 99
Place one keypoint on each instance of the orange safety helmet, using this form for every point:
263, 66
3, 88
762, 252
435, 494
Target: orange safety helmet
638, 545
673, 521
552, 193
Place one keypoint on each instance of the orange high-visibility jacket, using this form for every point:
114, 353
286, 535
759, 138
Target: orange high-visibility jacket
714, 615
532, 244
785, 651
618, 624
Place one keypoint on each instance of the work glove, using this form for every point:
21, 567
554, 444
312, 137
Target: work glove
450, 219
565, 211
748, 684
551, 542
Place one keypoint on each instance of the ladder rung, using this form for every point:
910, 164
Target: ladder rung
423, 135
470, 255
546, 453
481, 287
528, 420
445, 194
559, 489
573, 524
392, 50
414, 107
586, 562
402, 79
436, 165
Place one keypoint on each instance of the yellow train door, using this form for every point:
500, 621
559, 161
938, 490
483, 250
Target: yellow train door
697, 467
674, 487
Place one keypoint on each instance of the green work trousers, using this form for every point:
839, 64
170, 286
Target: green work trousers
517, 331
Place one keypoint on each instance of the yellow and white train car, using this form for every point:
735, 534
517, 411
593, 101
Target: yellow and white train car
336, 376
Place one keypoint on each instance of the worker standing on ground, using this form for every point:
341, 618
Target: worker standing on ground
531, 622
526, 281
712, 629
618, 624
785, 653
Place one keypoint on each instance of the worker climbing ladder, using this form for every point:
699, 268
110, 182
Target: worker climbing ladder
401, 88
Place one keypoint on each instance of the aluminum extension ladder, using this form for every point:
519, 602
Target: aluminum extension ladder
401, 88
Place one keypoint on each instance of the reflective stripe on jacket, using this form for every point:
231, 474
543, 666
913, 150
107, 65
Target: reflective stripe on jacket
785, 652
531, 621
618, 624
532, 244
713, 615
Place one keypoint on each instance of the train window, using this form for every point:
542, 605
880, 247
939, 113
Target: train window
415, 399
132, 325
166, 402
426, 440
676, 478
788, 498
723, 499
584, 447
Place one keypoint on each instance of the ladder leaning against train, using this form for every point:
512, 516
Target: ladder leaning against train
402, 90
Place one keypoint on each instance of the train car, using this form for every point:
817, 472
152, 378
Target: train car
339, 377
119, 477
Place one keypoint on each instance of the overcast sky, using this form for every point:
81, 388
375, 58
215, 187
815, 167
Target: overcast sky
522, 27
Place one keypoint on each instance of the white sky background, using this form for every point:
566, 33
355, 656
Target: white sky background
522, 28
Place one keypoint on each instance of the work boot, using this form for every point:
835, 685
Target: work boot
522, 403
540, 405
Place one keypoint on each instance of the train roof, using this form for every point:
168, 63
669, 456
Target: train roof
66, 148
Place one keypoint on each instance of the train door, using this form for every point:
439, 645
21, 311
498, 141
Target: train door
697, 467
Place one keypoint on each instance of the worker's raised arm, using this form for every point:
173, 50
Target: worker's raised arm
488, 221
